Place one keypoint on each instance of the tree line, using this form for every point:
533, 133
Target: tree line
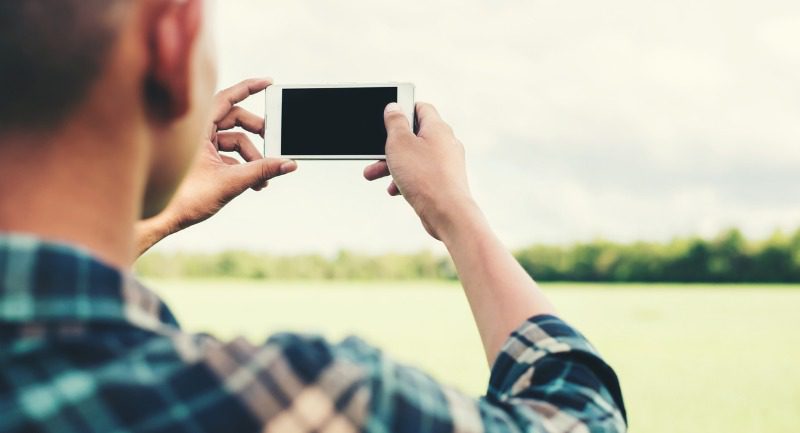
726, 258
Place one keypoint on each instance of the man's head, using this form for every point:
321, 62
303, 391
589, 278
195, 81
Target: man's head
140, 67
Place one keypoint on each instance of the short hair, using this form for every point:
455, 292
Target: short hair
51, 52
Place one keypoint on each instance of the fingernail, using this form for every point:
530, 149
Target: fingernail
394, 106
288, 166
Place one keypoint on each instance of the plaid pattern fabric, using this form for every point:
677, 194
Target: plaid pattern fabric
86, 348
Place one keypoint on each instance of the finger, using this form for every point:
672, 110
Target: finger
376, 171
261, 187
239, 143
239, 117
230, 161
255, 174
428, 117
396, 122
393, 190
427, 113
226, 99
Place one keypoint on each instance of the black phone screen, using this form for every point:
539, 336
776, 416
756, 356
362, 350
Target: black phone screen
337, 121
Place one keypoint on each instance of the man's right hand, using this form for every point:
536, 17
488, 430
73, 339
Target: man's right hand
428, 168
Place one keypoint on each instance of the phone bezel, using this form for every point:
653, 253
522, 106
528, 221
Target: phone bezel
274, 116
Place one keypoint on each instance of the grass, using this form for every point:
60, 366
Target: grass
690, 358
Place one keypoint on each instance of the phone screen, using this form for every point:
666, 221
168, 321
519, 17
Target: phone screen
335, 121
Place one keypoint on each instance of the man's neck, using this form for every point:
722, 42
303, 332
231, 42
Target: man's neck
80, 188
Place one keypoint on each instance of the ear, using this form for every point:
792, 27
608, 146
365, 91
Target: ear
174, 32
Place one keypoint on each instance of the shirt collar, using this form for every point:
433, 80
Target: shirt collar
42, 281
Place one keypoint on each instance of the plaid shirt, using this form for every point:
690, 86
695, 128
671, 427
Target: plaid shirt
86, 348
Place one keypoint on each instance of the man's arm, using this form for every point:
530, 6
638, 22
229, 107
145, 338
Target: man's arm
151, 231
547, 379
545, 376
500, 293
429, 170
215, 179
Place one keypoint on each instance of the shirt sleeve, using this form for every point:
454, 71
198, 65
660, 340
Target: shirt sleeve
547, 378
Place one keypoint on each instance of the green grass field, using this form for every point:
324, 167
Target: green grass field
691, 359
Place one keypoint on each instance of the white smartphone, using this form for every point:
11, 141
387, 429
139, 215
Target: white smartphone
331, 121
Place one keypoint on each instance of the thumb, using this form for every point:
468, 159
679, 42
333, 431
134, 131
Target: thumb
396, 121
255, 174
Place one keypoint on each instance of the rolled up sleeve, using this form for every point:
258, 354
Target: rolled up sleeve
548, 378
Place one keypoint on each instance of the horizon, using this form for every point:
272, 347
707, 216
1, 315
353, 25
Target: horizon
750, 242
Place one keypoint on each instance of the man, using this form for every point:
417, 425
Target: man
102, 106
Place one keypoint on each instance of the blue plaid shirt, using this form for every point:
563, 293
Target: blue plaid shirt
86, 348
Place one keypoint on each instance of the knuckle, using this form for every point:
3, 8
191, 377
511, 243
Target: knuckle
395, 116
441, 127
426, 107
253, 82
397, 123
398, 138
222, 94
227, 94
267, 172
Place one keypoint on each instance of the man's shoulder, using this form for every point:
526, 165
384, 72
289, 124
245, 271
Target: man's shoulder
167, 380
289, 378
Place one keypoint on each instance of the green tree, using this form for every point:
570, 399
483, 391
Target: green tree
728, 258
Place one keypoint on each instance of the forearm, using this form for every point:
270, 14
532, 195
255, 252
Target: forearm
149, 232
500, 293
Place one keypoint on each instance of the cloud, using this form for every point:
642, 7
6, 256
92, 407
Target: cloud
620, 119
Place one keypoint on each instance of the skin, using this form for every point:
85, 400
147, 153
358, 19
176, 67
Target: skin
428, 169
122, 173
215, 178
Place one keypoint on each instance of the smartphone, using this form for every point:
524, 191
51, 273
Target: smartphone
331, 121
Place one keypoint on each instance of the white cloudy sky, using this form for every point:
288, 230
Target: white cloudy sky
620, 119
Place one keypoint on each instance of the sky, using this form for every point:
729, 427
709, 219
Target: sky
623, 120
